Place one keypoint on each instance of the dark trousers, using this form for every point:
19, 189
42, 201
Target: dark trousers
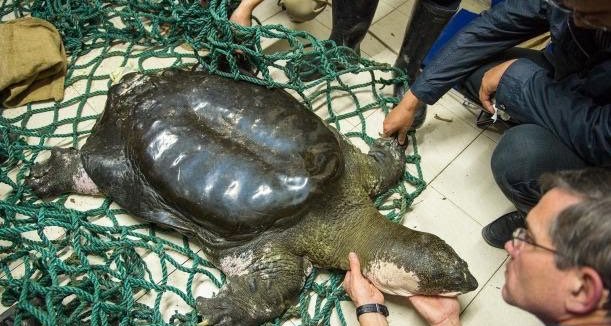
525, 151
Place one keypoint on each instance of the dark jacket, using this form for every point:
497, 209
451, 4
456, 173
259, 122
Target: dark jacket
573, 100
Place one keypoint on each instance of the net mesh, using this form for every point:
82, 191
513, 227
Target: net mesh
78, 259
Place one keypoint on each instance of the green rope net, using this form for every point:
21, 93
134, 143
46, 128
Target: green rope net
78, 259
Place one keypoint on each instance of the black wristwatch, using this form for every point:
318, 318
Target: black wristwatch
372, 307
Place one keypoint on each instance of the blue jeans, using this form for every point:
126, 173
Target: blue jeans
522, 155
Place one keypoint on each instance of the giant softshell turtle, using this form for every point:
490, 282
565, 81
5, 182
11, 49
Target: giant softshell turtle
266, 187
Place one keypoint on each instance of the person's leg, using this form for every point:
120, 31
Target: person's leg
351, 20
428, 20
522, 155
470, 86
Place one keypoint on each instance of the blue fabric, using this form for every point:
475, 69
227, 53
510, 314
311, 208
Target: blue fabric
567, 109
522, 155
504, 26
458, 21
570, 96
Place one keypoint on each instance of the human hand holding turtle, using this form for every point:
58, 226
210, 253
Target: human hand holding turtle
401, 118
362, 292
436, 310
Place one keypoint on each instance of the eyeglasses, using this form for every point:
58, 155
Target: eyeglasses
558, 4
520, 236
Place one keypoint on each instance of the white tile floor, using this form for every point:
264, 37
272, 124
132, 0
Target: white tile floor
460, 199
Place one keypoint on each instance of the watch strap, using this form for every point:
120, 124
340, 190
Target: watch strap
372, 307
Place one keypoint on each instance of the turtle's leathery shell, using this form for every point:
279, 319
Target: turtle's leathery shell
226, 154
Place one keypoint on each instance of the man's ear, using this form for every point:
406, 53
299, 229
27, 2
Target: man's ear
586, 291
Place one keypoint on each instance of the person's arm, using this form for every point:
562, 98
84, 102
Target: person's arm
242, 15
502, 27
505, 25
362, 292
530, 95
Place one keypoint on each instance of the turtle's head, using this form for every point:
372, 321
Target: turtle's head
413, 262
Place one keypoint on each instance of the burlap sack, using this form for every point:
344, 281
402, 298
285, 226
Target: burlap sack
32, 62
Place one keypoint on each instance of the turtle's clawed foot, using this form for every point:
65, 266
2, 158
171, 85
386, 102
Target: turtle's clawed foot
221, 311
54, 176
387, 147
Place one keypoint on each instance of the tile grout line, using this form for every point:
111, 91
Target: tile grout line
377, 38
483, 286
455, 157
457, 206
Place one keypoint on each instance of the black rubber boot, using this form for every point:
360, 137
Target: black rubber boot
351, 20
427, 22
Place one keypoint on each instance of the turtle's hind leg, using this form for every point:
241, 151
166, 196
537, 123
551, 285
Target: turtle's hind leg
62, 173
261, 284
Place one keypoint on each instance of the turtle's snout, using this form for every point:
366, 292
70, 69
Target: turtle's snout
461, 278
458, 277
424, 257
470, 282
450, 273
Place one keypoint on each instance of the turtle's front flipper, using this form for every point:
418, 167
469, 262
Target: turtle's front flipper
62, 173
261, 284
386, 164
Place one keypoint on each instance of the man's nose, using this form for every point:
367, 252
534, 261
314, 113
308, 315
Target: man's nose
510, 248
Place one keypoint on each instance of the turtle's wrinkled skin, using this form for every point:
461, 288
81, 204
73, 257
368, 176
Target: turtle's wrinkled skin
266, 187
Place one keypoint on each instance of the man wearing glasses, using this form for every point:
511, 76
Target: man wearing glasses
560, 264
559, 267
560, 97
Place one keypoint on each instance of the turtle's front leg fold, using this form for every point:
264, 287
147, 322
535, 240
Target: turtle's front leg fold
62, 173
256, 294
386, 163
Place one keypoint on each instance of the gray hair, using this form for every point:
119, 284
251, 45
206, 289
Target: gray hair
591, 183
582, 236
582, 232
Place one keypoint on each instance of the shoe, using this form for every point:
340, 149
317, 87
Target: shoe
500, 230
